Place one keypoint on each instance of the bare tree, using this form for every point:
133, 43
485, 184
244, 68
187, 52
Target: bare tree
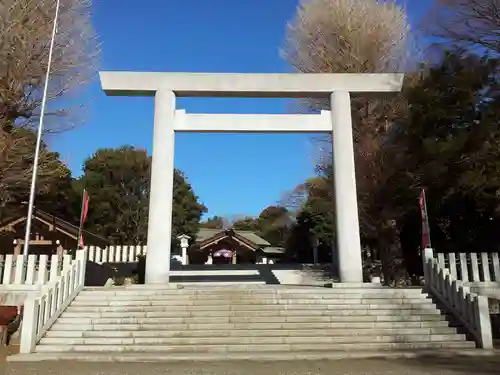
466, 23
25, 33
356, 36
348, 36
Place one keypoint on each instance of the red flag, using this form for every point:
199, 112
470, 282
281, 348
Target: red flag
426, 237
85, 209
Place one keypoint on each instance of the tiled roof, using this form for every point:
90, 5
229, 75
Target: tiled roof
273, 250
204, 234
70, 228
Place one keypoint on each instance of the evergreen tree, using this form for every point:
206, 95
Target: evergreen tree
117, 181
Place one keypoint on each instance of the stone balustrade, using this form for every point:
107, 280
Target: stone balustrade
470, 309
42, 310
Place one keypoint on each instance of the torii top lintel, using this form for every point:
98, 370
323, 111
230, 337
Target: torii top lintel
263, 85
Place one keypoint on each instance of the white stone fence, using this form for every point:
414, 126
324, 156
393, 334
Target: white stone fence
470, 309
130, 254
115, 254
471, 267
41, 311
26, 273
20, 270
35, 270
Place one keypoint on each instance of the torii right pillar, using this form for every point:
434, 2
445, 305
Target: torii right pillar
350, 264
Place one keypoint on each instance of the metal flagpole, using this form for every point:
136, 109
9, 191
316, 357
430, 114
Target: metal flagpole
39, 136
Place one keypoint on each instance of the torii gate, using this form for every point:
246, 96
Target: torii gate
165, 87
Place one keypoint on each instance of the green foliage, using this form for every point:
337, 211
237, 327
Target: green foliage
273, 225
451, 142
117, 181
300, 241
187, 211
446, 140
314, 225
61, 199
53, 186
216, 222
247, 223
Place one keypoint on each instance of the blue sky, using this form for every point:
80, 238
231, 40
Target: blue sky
233, 174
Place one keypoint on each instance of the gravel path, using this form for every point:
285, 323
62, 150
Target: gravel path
420, 366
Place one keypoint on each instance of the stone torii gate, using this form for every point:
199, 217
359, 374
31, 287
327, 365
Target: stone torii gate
165, 87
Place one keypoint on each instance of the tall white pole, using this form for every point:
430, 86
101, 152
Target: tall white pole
39, 136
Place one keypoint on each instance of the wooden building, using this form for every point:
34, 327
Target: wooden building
219, 246
49, 234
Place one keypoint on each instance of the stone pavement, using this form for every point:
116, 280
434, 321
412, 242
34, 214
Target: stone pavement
416, 366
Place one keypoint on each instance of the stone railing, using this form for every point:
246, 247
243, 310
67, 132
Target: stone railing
41, 311
33, 269
470, 309
471, 267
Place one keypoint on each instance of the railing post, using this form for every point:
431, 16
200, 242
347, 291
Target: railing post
67, 259
483, 322
30, 270
29, 326
91, 252
496, 266
7, 272
132, 253
427, 254
81, 257
20, 272
42, 269
54, 267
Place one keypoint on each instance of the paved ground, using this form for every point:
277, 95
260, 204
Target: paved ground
421, 366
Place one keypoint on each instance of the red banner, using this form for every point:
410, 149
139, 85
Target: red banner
85, 207
85, 210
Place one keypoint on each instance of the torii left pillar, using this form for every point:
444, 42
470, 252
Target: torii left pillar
161, 190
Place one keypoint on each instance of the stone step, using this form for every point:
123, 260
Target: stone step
269, 294
209, 300
243, 340
238, 286
251, 290
298, 293
206, 283
451, 351
85, 319
120, 332
230, 308
249, 313
212, 272
257, 327
165, 301
254, 348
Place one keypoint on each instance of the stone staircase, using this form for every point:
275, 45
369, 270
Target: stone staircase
248, 322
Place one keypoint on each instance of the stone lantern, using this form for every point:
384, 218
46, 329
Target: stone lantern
184, 239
